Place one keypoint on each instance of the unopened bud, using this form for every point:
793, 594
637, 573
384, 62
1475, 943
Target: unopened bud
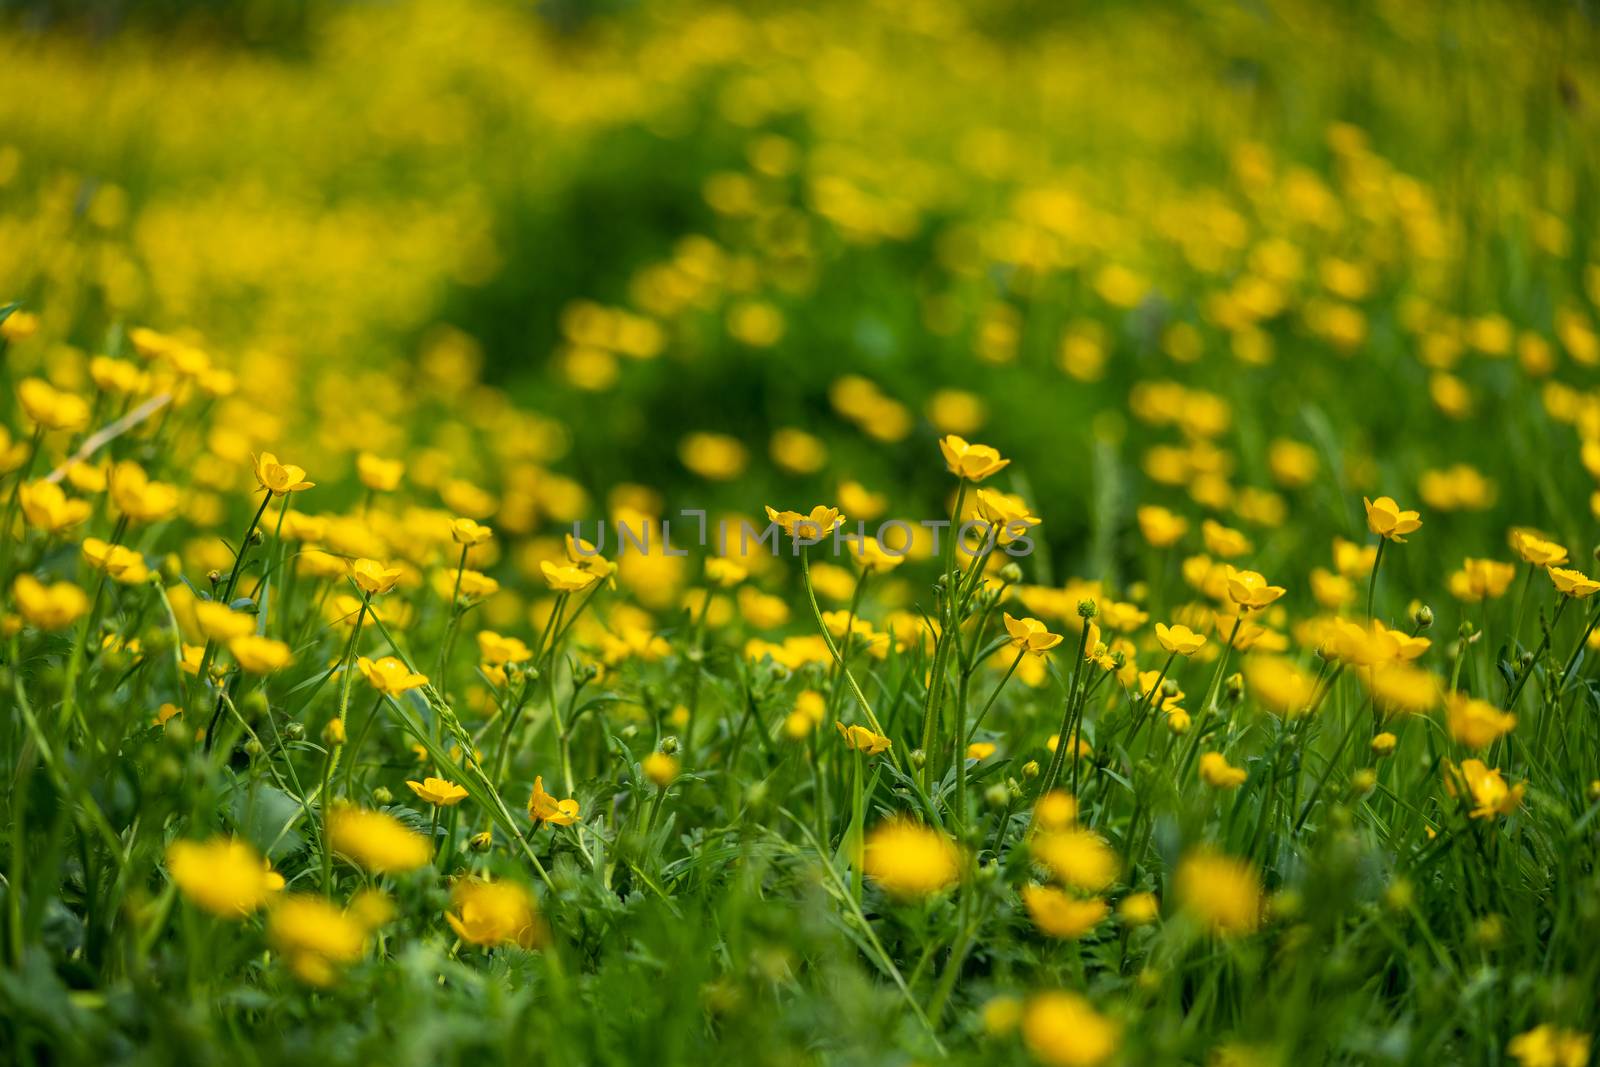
295, 731
669, 744
1030, 770
919, 758
381, 795
1422, 618
481, 842
1087, 608
1011, 574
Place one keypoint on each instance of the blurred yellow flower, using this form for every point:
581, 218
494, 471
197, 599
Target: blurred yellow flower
378, 842
1223, 893
1062, 1029
494, 913
223, 875
49, 607
1059, 914
908, 859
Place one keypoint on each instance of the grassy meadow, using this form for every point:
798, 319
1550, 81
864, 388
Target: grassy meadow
898, 533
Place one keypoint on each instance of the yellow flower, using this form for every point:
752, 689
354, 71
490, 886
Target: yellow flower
969, 461
1550, 1046
660, 768
1485, 787
123, 564
217, 621
278, 478
468, 532
1574, 584
49, 407
372, 577
315, 937
378, 842
713, 456
1179, 639
390, 675
812, 526
1160, 527
223, 875
137, 497
1059, 914
1223, 893
499, 650
1062, 1029
1536, 550
1399, 689
1006, 513
981, 750
1476, 723
260, 655
1139, 909
438, 792
19, 326
1482, 579
1385, 518
1384, 744
725, 572
1075, 857
863, 740
1217, 773
47, 508
908, 859
873, 558
49, 607
494, 913
1030, 635
1224, 541
1250, 590
542, 807
566, 578
376, 473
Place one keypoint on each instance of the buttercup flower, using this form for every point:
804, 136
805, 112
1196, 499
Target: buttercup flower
1250, 590
1160, 527
49, 407
378, 842
811, 526
1536, 550
566, 578
1223, 893
494, 913
1216, 772
390, 675
1571, 583
1484, 787
49, 607
1062, 1029
260, 655
1179, 639
1476, 723
1030, 635
438, 792
278, 478
863, 740
542, 807
467, 532
1059, 914
908, 859
376, 473
372, 577
1385, 518
47, 508
315, 938
972, 462
223, 875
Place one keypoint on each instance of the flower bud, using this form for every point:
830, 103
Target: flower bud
1011, 574
919, 758
333, 733
1422, 618
669, 745
214, 577
481, 842
1030, 770
1234, 685
1383, 744
254, 748
1087, 608
1363, 781
381, 795
997, 796
295, 731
